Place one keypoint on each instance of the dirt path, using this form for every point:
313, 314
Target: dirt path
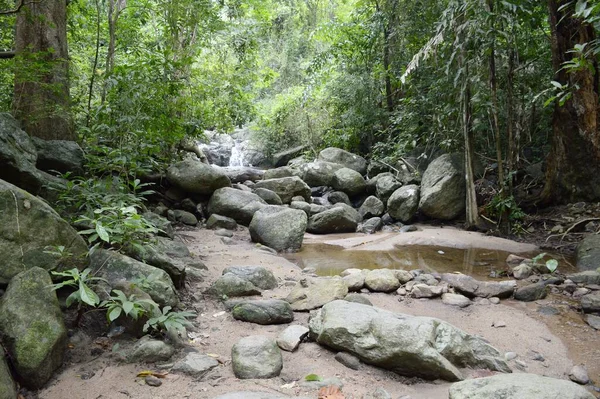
104, 376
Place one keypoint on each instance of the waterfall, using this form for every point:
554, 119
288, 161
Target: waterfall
237, 156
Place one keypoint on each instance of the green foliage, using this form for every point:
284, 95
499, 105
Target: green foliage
81, 282
502, 205
551, 264
119, 304
168, 320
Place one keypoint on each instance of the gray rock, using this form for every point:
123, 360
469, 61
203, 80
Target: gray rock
470, 287
358, 298
348, 360
153, 381
517, 386
236, 204
281, 158
279, 228
403, 203
522, 271
385, 185
403, 276
354, 281
266, 311
116, 269
220, 222
232, 285
370, 226
290, 338
531, 292
456, 300
276, 173
312, 293
338, 197
381, 280
163, 225
197, 177
345, 158
317, 174
150, 350
349, 181
242, 174
32, 327
443, 188
257, 275
408, 345
29, 228
195, 365
593, 321
224, 233
588, 253
256, 356
587, 277
18, 156
591, 303
60, 155
579, 375
269, 196
426, 291
8, 389
335, 220
301, 206
181, 216
372, 207
286, 188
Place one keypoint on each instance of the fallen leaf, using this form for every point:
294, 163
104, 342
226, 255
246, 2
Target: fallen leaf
331, 392
313, 377
157, 374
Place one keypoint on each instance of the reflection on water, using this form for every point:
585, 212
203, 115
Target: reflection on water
330, 260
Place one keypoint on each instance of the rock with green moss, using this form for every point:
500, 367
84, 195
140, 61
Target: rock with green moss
8, 389
32, 234
196, 177
32, 327
119, 269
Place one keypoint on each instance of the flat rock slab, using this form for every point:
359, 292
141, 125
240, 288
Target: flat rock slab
267, 311
470, 287
517, 386
257, 275
231, 285
456, 300
309, 294
290, 338
195, 364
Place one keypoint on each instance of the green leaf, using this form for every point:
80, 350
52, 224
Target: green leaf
114, 313
127, 307
87, 295
102, 233
313, 377
74, 297
552, 265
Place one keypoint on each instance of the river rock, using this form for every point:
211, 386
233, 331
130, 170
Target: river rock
354, 281
381, 280
349, 181
403, 203
220, 222
587, 277
588, 253
231, 285
8, 389
195, 365
531, 292
370, 226
279, 228
282, 158
517, 386
443, 188
181, 216
267, 311
257, 275
348, 360
290, 338
269, 196
286, 188
426, 291
196, 177
116, 269
593, 321
318, 173
256, 356
312, 293
241, 174
32, 327
338, 197
60, 155
458, 300
579, 375
412, 346
150, 350
522, 271
29, 228
590, 303
335, 220
358, 298
372, 207
345, 158
276, 173
18, 156
236, 204
164, 226
385, 185
470, 287
404, 276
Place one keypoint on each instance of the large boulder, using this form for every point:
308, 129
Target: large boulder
341, 157
443, 188
256, 356
349, 181
403, 203
240, 174
231, 285
517, 386
32, 327
312, 293
8, 389
591, 303
588, 253
372, 207
385, 185
339, 219
286, 188
18, 156
381, 280
269, 196
408, 345
236, 204
60, 155
30, 231
279, 228
317, 174
197, 177
265, 312
282, 158
470, 287
257, 275
284, 171
119, 270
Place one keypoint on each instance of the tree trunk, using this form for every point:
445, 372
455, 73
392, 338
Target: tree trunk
573, 165
41, 93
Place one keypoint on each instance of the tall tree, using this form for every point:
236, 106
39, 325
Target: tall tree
573, 165
41, 91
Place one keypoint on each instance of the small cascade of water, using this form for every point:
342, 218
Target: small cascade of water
237, 156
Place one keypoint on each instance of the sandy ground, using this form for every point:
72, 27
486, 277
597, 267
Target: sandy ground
105, 377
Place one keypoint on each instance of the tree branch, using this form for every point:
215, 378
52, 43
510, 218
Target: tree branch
19, 6
6, 54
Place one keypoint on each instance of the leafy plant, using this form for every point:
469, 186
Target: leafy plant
551, 264
131, 306
167, 321
81, 281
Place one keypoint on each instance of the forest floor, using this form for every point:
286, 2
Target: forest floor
94, 371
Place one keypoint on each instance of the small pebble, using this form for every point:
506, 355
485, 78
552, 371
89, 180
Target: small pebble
494, 300
153, 381
579, 375
498, 324
510, 356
